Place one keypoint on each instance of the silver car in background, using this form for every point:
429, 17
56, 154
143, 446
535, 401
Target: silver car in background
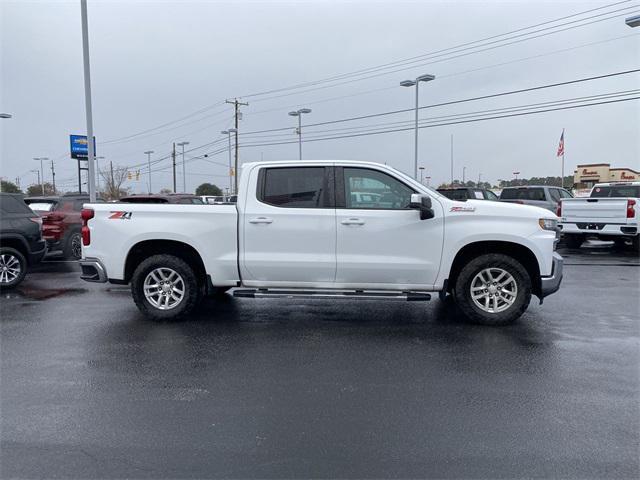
537, 195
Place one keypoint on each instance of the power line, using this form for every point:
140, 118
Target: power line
453, 102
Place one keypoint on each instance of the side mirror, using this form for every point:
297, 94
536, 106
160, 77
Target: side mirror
423, 204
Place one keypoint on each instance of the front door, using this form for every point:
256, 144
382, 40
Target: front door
381, 242
289, 229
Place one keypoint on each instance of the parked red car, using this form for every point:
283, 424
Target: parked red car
61, 222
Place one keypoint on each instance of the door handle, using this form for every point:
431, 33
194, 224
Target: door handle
353, 221
261, 220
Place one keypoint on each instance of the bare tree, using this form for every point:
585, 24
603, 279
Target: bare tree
113, 178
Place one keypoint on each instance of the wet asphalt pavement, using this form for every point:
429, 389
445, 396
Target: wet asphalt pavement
278, 388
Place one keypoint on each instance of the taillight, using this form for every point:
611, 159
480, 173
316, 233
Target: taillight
559, 209
86, 214
630, 204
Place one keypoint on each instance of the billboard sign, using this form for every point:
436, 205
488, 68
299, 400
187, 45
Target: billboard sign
80, 146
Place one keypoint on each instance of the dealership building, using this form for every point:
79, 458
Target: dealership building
586, 176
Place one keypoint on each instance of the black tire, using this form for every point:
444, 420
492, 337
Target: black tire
8, 257
573, 240
462, 290
635, 244
620, 243
192, 290
73, 246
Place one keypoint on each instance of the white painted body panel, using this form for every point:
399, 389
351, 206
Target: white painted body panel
311, 248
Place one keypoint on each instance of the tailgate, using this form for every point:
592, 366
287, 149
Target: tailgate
597, 210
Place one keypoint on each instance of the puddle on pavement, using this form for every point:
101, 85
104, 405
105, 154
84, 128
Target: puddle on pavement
42, 293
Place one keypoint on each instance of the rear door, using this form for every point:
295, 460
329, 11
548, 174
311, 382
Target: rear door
289, 227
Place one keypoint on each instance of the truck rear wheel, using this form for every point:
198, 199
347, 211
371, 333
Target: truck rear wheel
165, 287
573, 240
493, 289
13, 268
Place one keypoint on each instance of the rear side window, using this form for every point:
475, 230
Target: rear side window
555, 194
489, 195
296, 187
616, 191
11, 204
536, 194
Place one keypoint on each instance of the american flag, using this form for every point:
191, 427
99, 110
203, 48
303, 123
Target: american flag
561, 145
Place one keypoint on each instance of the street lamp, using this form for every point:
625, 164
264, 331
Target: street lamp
38, 172
42, 171
5, 115
428, 178
515, 174
148, 154
411, 83
464, 175
421, 174
633, 21
298, 113
184, 171
228, 134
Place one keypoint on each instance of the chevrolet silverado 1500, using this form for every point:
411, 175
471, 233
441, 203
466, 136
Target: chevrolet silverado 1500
326, 229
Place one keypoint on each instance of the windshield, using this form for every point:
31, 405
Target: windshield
41, 206
522, 194
616, 191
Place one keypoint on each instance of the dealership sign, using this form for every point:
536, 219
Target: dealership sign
80, 146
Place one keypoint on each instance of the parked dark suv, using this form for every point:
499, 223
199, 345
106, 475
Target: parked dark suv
61, 222
468, 193
21, 242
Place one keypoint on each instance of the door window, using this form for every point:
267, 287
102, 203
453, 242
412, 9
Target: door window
555, 194
371, 189
489, 195
296, 187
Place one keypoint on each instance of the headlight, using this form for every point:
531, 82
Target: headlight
548, 224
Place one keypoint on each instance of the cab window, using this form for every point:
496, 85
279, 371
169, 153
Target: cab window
372, 189
296, 187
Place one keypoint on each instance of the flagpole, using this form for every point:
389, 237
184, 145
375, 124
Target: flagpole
562, 177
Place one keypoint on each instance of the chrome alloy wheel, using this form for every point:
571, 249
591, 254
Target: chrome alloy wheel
494, 290
164, 288
9, 268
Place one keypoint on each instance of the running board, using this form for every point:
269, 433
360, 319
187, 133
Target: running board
330, 294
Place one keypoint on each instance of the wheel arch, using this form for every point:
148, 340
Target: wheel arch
16, 242
147, 248
517, 251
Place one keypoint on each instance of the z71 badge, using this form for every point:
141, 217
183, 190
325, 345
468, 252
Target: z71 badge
120, 216
462, 209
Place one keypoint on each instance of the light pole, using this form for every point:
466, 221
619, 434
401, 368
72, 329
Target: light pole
298, 113
38, 172
87, 101
5, 115
479, 177
515, 174
148, 154
411, 83
428, 178
184, 171
464, 175
42, 171
421, 175
228, 134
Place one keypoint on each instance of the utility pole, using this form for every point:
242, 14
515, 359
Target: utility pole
184, 171
236, 105
53, 176
173, 159
452, 159
464, 175
41, 171
479, 176
148, 154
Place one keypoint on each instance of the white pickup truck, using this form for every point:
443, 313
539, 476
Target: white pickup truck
326, 229
611, 212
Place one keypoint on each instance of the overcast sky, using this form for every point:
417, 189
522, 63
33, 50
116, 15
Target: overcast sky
153, 63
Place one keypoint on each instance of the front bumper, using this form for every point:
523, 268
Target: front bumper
551, 284
93, 270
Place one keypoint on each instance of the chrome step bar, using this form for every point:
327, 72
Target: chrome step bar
331, 294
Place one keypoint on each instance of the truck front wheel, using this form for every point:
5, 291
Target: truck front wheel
493, 289
573, 240
165, 287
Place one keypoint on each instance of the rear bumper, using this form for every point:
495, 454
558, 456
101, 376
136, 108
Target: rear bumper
38, 251
601, 229
93, 270
551, 284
